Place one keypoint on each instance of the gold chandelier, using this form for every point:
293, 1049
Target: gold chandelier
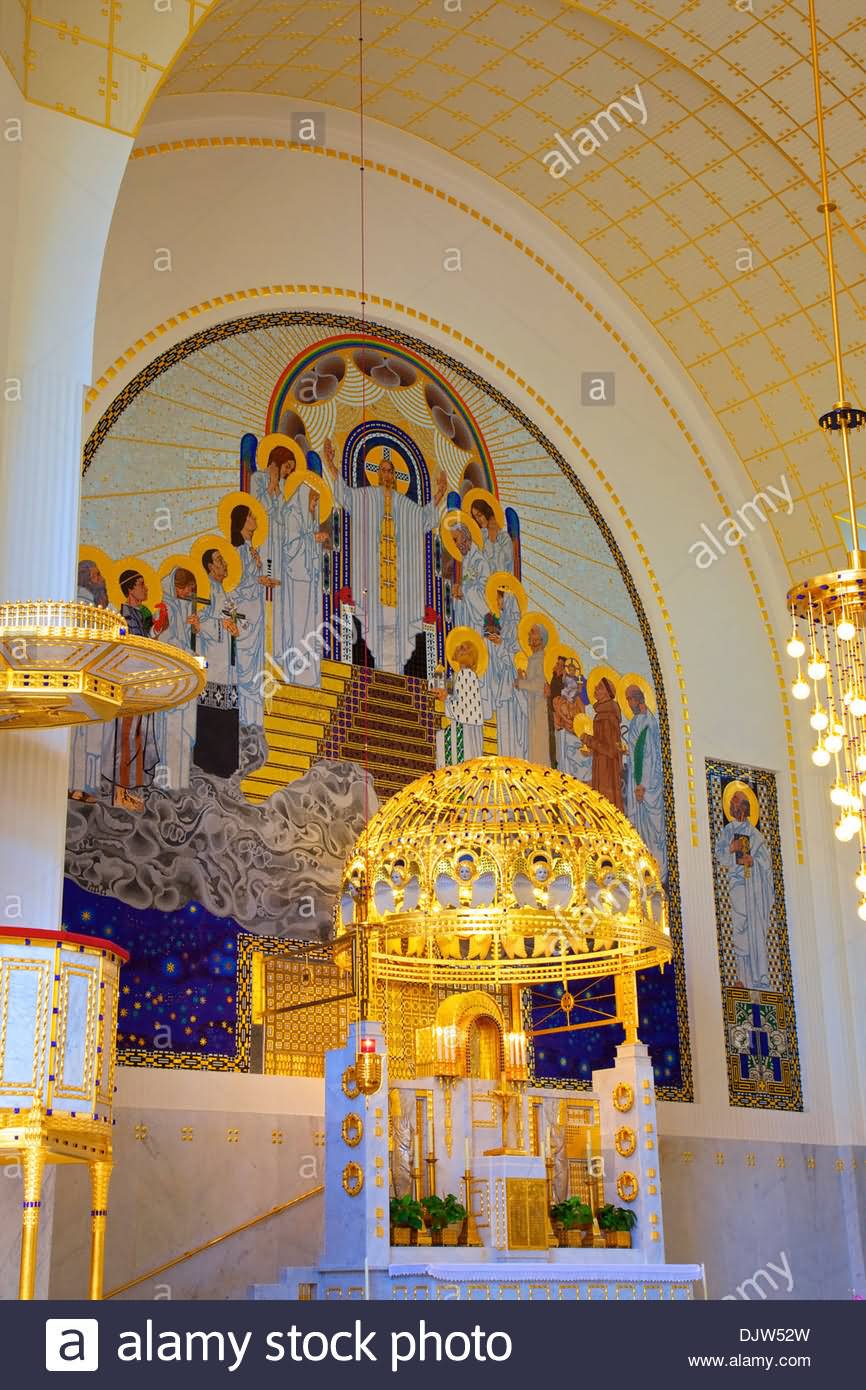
828, 612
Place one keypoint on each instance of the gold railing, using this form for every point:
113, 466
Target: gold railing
58, 617
215, 1240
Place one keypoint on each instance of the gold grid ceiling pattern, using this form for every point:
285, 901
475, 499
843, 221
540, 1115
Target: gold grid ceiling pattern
724, 166
98, 60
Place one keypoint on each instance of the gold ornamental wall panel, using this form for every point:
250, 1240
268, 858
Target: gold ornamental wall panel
303, 1015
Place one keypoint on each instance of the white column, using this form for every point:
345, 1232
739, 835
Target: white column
60, 182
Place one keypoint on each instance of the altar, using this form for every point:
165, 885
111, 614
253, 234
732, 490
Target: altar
449, 1173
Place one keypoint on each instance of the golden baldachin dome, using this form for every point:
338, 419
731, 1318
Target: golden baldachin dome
499, 870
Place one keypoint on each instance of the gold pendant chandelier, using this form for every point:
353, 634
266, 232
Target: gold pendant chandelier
828, 612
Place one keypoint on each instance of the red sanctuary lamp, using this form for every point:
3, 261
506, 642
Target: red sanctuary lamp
368, 1068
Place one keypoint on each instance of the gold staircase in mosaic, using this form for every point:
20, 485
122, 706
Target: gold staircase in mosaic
296, 721
378, 720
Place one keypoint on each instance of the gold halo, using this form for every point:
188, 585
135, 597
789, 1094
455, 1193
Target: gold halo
501, 579
528, 621
728, 795
601, 673
632, 678
229, 554
316, 484
270, 441
457, 636
449, 522
401, 479
480, 494
103, 562
557, 650
151, 579
234, 499
188, 563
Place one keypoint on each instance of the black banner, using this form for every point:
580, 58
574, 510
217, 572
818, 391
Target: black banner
272, 1343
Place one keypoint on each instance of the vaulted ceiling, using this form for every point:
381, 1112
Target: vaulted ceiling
705, 216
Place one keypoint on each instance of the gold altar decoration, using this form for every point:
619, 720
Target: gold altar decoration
353, 1179
623, 1097
73, 663
496, 873
352, 1129
58, 1022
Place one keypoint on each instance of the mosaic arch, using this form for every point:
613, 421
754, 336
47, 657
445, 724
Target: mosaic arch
388, 567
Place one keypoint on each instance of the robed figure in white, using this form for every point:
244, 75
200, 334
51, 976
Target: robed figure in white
176, 727
301, 610
645, 782
533, 684
742, 852
249, 597
464, 737
388, 558
500, 695
470, 595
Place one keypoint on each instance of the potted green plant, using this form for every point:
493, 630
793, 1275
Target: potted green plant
407, 1220
617, 1224
572, 1221
443, 1215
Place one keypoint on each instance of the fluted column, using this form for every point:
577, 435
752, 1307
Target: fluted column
60, 182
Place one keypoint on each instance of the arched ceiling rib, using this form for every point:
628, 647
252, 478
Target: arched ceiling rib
721, 174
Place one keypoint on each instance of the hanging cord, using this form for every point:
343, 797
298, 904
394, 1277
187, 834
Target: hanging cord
369, 539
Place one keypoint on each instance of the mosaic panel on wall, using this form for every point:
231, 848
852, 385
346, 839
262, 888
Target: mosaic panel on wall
757, 987
387, 567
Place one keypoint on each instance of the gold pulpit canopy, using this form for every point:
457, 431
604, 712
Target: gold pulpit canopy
73, 663
497, 872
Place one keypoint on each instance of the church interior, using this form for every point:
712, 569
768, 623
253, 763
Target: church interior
432, 662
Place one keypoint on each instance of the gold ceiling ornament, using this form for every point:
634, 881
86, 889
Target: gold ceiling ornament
73, 663
828, 612
469, 862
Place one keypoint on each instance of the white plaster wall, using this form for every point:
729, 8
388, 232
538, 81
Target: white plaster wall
242, 218
170, 1193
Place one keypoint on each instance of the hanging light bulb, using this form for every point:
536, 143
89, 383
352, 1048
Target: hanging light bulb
844, 829
830, 609
817, 668
800, 689
796, 646
819, 718
839, 794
